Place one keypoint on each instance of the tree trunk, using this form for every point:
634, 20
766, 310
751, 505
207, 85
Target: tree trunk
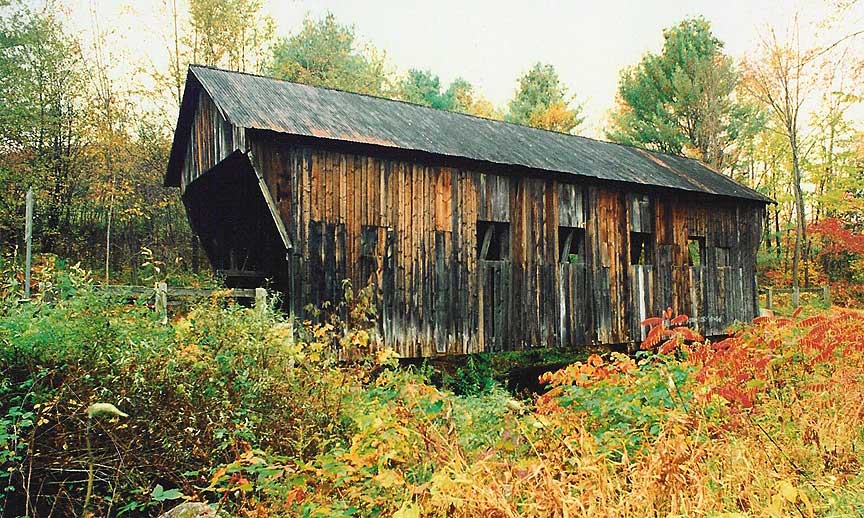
779, 246
800, 232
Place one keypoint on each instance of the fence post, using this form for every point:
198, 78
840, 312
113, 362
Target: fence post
826, 295
770, 298
162, 302
28, 239
796, 296
261, 301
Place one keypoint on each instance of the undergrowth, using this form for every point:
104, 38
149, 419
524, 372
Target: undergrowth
259, 415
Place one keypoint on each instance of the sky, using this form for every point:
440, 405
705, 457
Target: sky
492, 43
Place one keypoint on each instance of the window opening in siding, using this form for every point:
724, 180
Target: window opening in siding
493, 241
571, 245
695, 251
641, 248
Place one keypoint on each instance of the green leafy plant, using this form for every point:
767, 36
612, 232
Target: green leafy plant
475, 377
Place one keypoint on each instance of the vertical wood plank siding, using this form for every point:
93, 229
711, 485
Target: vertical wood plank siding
410, 230
212, 138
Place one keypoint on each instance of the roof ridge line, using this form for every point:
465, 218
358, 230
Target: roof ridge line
196, 69
439, 110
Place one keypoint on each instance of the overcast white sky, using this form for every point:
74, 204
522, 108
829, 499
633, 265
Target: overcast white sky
491, 43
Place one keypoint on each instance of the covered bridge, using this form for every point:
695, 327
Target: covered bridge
478, 235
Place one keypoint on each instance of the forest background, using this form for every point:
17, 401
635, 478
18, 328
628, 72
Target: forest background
107, 410
87, 124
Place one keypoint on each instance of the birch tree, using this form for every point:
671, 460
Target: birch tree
782, 78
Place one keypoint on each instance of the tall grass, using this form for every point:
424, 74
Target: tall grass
260, 416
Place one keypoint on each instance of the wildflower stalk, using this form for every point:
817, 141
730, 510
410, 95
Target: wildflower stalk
95, 410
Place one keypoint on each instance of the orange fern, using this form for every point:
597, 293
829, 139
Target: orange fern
679, 320
653, 322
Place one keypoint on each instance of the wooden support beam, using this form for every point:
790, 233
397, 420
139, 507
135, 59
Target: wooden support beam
487, 238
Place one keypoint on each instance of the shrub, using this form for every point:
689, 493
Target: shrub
262, 416
216, 383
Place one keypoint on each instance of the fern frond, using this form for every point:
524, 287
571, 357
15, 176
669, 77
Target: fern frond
653, 321
680, 319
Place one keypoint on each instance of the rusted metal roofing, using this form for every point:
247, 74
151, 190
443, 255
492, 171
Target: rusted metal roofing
264, 103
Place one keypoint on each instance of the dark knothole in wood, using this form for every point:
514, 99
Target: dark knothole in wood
695, 251
571, 245
641, 248
493, 241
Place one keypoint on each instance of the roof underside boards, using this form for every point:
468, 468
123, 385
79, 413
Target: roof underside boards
264, 103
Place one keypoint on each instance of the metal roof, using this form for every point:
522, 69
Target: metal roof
264, 103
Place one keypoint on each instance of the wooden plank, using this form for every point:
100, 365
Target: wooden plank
571, 211
434, 305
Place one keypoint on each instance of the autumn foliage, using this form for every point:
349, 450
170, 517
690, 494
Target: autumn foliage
837, 238
259, 416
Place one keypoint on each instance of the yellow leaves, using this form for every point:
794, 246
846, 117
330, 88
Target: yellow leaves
788, 491
556, 117
594, 369
408, 510
515, 405
360, 338
389, 478
321, 332
190, 352
445, 485
182, 328
217, 476
386, 356
788, 497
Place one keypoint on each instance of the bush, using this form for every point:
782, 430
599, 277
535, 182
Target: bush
219, 381
474, 378
258, 415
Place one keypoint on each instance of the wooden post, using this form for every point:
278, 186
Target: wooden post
770, 297
826, 295
796, 296
162, 302
28, 239
261, 301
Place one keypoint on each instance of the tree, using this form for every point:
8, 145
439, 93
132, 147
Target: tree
541, 101
326, 53
424, 87
42, 134
230, 33
781, 79
835, 167
681, 101
465, 99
